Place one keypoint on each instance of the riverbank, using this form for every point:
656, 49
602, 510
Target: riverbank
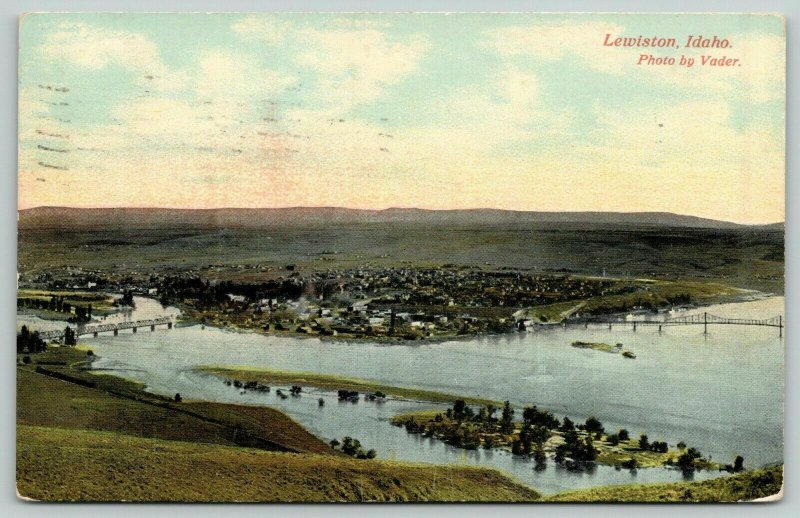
334, 383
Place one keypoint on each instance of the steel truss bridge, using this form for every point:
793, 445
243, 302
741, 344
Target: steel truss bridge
700, 319
95, 329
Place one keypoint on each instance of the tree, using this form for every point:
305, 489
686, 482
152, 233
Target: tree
644, 443
507, 419
681, 445
738, 464
334, 443
623, 434
69, 336
687, 459
589, 451
593, 425
178, 398
539, 456
567, 425
22, 339
539, 434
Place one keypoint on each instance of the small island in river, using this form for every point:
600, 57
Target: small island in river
604, 347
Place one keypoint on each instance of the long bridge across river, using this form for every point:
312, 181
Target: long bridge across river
701, 319
95, 329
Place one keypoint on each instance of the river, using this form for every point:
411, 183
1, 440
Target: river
721, 392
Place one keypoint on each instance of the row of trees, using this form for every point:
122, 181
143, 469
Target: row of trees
31, 342
59, 305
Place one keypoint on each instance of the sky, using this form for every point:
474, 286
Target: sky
511, 111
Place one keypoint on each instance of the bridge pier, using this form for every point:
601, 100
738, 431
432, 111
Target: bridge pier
134, 330
659, 328
153, 327
634, 327
609, 326
94, 334
169, 325
116, 332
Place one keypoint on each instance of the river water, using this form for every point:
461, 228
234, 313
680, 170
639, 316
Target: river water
721, 392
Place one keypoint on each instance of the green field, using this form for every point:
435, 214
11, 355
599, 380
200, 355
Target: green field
331, 382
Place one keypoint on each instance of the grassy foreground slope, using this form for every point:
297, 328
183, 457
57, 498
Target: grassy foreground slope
745, 486
45, 401
63, 465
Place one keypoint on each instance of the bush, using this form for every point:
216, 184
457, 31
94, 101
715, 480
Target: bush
644, 443
630, 464
593, 425
26, 360
623, 435
178, 398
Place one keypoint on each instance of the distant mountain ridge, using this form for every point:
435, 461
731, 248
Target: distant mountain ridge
78, 218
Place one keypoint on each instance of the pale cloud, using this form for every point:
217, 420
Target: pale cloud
356, 65
236, 76
354, 60
95, 48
